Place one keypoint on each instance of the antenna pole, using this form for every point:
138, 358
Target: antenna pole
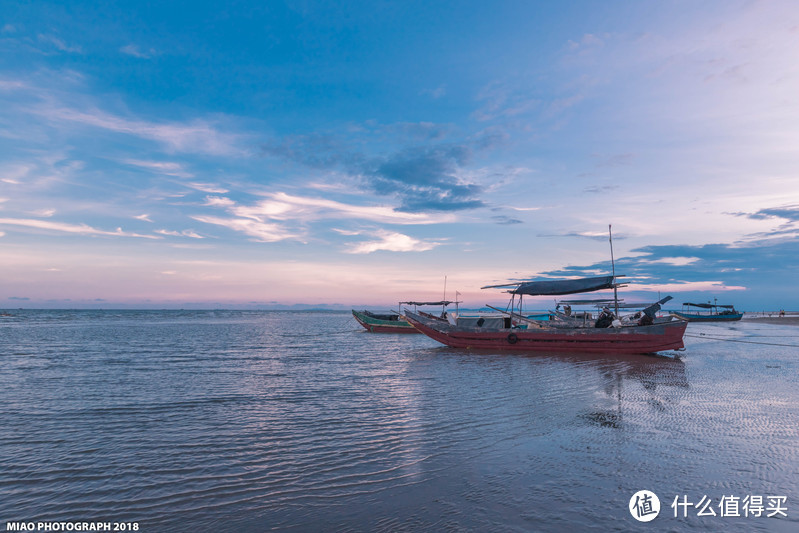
613, 266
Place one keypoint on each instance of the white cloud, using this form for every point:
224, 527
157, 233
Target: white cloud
135, 51
392, 242
144, 217
261, 231
61, 45
676, 261
436, 93
12, 85
521, 208
161, 167
207, 187
16, 173
184, 233
268, 220
588, 40
687, 286
219, 201
502, 100
349, 233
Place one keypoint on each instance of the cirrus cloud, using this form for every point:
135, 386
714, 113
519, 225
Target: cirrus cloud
82, 229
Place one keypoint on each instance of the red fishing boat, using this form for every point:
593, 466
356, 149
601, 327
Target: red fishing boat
514, 331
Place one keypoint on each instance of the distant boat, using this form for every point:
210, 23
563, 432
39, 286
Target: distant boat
514, 331
393, 323
715, 313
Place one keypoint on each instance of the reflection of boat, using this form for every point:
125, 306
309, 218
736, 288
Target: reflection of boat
516, 332
663, 382
393, 322
715, 313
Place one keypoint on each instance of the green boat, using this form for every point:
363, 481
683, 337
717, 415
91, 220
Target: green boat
394, 322
715, 313
383, 322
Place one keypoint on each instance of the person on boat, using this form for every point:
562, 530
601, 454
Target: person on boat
605, 319
646, 320
567, 310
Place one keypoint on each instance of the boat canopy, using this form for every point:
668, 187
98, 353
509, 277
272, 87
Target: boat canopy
443, 302
599, 301
710, 306
559, 287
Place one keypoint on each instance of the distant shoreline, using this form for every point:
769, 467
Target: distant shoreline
784, 320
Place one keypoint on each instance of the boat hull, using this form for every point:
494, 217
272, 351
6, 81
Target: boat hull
691, 317
376, 325
624, 340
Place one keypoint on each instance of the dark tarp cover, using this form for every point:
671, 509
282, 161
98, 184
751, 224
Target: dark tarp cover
443, 302
599, 301
564, 286
710, 306
655, 307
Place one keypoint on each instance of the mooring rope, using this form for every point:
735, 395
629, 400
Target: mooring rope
745, 342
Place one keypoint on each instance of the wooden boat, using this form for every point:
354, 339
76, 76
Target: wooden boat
514, 333
393, 322
383, 322
715, 313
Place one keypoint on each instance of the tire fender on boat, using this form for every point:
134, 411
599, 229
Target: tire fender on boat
512, 338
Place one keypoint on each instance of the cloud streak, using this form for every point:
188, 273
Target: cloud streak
136, 51
161, 167
82, 229
282, 206
197, 136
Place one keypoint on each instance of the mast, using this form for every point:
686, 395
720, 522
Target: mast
613, 266
444, 299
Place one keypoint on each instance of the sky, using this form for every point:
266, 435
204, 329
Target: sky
269, 154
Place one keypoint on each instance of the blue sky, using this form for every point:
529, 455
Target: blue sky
176, 154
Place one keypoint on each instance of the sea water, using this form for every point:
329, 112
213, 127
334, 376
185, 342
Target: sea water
302, 421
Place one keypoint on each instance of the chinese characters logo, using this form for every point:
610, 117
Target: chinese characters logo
644, 505
750, 505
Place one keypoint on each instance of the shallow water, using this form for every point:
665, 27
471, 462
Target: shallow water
252, 421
